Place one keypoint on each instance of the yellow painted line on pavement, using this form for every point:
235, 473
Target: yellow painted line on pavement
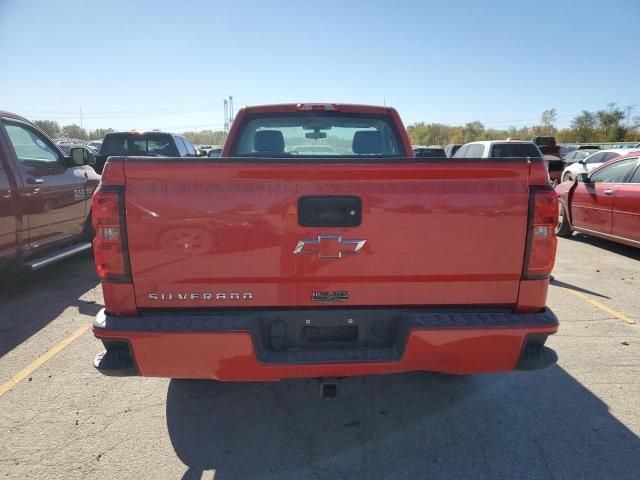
602, 307
33, 366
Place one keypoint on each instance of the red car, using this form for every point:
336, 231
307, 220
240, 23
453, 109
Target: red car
604, 203
319, 246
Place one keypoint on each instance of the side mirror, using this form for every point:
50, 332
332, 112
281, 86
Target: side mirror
583, 178
81, 156
582, 162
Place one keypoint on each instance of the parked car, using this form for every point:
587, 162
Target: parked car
95, 144
577, 155
91, 149
215, 152
144, 144
451, 149
288, 263
45, 196
591, 162
604, 203
566, 150
205, 149
66, 148
499, 149
431, 152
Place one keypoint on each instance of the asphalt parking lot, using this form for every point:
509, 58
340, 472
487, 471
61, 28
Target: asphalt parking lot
580, 419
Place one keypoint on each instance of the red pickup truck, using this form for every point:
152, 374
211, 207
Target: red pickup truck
45, 197
318, 246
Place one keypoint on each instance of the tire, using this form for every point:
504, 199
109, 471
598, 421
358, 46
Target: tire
88, 232
563, 228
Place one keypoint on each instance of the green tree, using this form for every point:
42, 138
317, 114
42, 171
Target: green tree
633, 133
49, 127
610, 123
429, 134
74, 131
584, 126
99, 133
418, 133
472, 131
205, 137
549, 117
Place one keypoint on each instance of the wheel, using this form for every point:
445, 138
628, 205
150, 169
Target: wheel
566, 177
88, 232
563, 229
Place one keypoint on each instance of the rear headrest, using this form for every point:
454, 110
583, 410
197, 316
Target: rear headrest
268, 141
367, 141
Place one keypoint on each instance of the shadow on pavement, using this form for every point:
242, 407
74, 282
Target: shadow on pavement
418, 425
613, 247
569, 286
30, 301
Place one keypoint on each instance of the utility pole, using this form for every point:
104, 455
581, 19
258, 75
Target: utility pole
228, 114
226, 118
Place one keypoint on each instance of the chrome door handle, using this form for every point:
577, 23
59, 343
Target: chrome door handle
36, 181
609, 192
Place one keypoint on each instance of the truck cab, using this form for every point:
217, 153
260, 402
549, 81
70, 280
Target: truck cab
144, 144
45, 196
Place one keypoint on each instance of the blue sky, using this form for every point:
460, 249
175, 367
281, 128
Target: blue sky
156, 64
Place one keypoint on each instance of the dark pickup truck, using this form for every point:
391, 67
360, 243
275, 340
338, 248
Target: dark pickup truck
551, 152
143, 144
45, 197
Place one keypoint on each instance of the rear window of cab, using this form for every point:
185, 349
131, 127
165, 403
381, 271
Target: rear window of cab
317, 134
138, 145
514, 150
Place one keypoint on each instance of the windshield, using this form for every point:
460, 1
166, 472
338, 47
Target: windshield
316, 134
140, 145
596, 158
580, 154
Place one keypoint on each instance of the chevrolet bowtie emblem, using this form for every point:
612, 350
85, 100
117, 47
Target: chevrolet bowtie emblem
329, 246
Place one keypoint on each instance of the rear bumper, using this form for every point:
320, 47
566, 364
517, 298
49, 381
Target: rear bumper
233, 345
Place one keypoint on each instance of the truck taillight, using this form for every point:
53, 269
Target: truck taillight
541, 233
109, 244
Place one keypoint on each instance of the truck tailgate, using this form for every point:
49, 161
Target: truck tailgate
225, 233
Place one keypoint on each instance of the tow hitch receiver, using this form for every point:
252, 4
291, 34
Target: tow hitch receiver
329, 388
